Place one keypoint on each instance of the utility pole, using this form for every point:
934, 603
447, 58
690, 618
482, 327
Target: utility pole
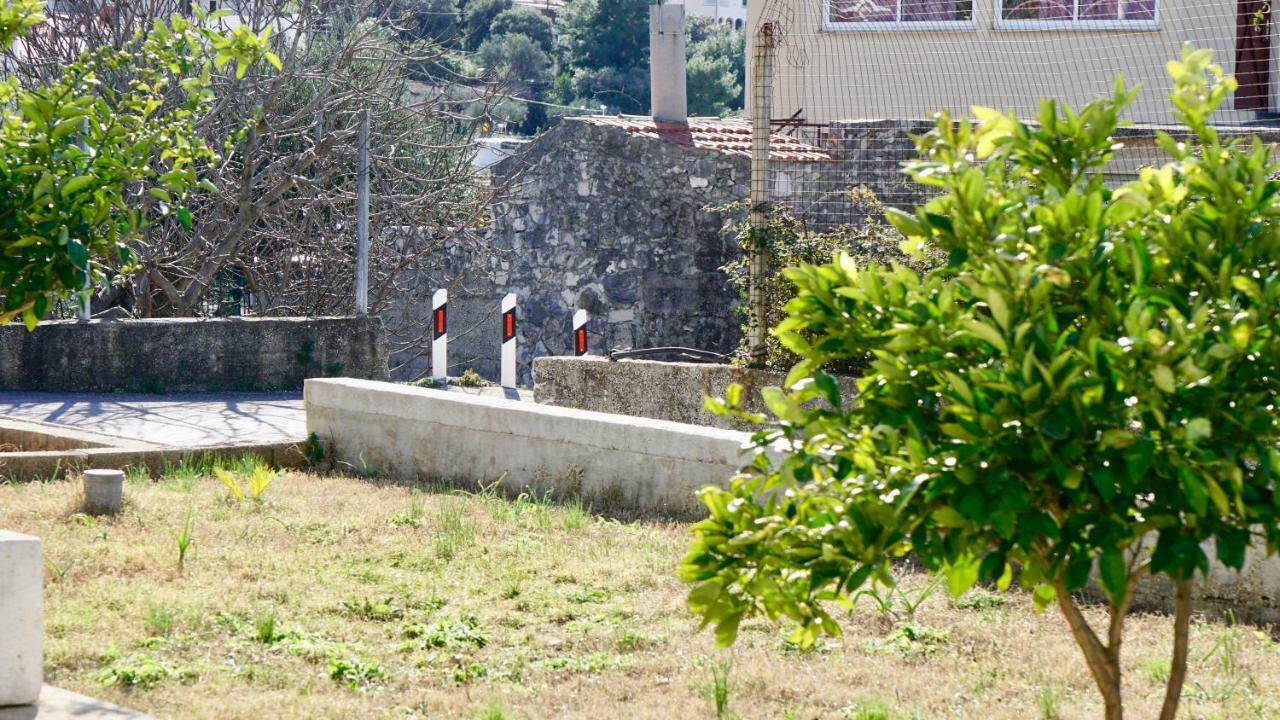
761, 115
362, 222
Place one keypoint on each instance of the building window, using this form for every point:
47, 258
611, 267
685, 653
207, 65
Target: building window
899, 14
1082, 14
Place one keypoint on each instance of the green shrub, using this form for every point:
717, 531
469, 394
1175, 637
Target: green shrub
1089, 382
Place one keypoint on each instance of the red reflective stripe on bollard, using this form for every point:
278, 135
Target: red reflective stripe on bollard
440, 322
508, 325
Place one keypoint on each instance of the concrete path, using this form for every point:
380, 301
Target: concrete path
182, 420
57, 704
168, 420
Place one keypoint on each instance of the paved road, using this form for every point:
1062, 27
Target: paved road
171, 420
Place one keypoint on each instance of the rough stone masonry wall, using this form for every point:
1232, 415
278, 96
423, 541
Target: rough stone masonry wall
172, 355
659, 390
630, 229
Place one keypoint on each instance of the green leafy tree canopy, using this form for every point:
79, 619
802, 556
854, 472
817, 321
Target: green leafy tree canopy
1089, 382
524, 20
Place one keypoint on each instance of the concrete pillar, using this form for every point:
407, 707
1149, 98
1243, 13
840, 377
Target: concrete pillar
667, 73
103, 491
21, 619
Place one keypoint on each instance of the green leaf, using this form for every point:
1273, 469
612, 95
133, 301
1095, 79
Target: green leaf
184, 217
1114, 574
987, 333
962, 575
947, 516
828, 386
1163, 377
1194, 487
1005, 579
908, 225
1217, 495
999, 310
781, 405
1043, 596
1198, 429
76, 184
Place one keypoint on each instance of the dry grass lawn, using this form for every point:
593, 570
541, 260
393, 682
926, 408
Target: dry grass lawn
341, 597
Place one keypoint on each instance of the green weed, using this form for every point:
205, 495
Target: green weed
184, 538
453, 533
720, 688
444, 634
414, 516
1048, 701
355, 671
160, 620
135, 671
373, 610
266, 628
868, 710
495, 710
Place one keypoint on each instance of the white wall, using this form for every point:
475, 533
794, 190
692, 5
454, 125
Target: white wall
732, 12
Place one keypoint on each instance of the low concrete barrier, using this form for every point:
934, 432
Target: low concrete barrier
613, 461
21, 619
182, 355
644, 388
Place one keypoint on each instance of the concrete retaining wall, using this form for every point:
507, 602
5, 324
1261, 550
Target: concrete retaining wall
180, 355
613, 461
659, 390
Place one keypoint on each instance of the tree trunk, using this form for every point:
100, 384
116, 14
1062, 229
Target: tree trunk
1103, 662
1181, 639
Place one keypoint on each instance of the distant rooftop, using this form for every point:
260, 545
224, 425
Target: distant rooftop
730, 137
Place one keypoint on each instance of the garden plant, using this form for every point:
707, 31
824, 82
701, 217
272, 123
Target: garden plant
1083, 393
85, 168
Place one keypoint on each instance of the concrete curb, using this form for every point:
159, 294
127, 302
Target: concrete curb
51, 465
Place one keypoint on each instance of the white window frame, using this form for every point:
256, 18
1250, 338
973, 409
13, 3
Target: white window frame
897, 25
1075, 24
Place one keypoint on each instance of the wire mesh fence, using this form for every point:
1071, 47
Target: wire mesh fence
858, 78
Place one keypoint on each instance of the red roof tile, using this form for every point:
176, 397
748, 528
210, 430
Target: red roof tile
731, 137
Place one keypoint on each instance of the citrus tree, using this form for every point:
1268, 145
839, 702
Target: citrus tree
1085, 392
84, 167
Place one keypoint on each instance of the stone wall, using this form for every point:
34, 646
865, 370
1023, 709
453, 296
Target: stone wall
629, 228
181, 355
643, 388
632, 229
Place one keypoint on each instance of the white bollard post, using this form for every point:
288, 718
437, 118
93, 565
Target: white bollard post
580, 333
509, 341
21, 619
440, 340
